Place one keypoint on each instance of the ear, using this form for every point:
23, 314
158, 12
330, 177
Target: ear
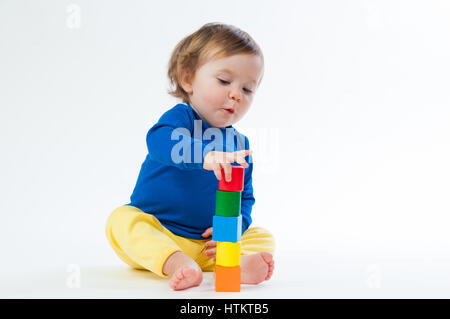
186, 81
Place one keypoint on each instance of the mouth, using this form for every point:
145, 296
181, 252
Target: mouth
231, 111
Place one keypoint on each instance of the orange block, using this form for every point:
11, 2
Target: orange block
228, 279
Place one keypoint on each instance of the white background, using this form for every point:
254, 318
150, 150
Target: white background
350, 129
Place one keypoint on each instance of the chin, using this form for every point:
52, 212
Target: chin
227, 124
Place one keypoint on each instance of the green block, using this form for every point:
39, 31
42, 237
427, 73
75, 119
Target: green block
228, 203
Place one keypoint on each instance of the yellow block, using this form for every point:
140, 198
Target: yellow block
228, 254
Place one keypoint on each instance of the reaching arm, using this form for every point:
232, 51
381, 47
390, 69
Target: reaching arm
170, 142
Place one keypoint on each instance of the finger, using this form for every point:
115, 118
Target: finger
245, 153
218, 173
211, 243
227, 171
242, 161
210, 252
239, 157
207, 232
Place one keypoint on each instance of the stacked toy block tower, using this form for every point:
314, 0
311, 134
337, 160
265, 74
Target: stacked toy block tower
227, 229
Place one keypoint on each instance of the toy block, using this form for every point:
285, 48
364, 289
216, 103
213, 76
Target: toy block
228, 279
228, 254
236, 184
228, 203
227, 228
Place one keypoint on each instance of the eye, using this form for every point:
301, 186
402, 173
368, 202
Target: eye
226, 82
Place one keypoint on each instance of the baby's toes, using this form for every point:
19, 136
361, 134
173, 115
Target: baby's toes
270, 271
268, 258
174, 282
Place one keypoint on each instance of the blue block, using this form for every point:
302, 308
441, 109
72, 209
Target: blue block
226, 228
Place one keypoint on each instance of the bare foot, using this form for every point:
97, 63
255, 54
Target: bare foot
186, 278
184, 271
256, 268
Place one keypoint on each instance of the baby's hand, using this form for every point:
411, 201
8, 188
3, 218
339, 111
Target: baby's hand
211, 252
215, 161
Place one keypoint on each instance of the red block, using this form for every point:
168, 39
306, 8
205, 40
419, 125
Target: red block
236, 184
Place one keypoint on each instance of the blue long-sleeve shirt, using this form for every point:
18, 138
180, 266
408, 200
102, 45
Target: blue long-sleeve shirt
172, 184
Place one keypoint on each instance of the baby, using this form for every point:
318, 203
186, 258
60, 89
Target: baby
166, 227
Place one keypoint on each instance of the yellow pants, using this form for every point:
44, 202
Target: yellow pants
141, 241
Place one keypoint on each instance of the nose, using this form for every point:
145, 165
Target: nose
235, 94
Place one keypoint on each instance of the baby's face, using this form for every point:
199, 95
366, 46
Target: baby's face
223, 89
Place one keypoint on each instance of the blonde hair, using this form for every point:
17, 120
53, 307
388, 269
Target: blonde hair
195, 49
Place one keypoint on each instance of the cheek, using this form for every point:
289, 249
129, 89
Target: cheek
246, 104
247, 101
213, 95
